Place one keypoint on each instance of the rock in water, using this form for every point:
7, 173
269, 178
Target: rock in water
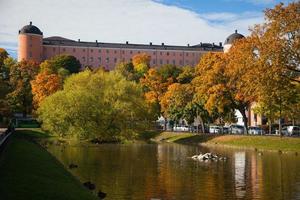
208, 157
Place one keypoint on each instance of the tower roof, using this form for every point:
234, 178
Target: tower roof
233, 37
30, 29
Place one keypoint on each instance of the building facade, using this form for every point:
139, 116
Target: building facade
33, 46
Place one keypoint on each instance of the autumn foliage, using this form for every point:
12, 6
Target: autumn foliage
44, 85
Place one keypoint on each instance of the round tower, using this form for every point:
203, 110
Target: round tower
231, 39
30, 43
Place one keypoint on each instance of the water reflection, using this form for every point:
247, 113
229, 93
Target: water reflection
239, 175
164, 171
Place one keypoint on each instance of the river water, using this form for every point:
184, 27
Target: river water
165, 171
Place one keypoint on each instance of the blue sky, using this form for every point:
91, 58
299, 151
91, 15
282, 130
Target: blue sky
177, 22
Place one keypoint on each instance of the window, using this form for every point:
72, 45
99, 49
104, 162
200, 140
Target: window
115, 60
83, 50
123, 59
83, 58
130, 52
115, 52
139, 52
74, 49
173, 53
30, 45
107, 51
99, 58
161, 61
153, 62
168, 53
180, 62
167, 61
107, 60
92, 50
123, 52
174, 62
64, 49
53, 49
187, 54
154, 53
91, 59
99, 51
30, 54
180, 54
160, 53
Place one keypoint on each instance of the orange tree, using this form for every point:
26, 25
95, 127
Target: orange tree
218, 87
155, 83
44, 85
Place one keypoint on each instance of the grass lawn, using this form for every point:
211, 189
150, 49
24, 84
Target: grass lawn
27, 171
242, 141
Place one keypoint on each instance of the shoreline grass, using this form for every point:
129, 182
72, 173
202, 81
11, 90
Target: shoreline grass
274, 143
28, 171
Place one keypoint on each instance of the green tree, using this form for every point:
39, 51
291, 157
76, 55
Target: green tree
96, 105
55, 64
20, 96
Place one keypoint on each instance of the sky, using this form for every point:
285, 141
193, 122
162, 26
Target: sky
174, 22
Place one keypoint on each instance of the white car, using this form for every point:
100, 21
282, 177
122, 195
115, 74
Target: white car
290, 130
237, 129
181, 128
256, 130
215, 129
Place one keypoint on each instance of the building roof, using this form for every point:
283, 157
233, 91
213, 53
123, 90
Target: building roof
60, 41
30, 29
233, 37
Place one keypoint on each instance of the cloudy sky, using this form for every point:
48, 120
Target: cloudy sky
177, 22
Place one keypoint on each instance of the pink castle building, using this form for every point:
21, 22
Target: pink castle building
32, 46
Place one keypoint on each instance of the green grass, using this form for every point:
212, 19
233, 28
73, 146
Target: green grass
241, 141
27, 171
259, 142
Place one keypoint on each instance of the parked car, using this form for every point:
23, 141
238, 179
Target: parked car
181, 128
290, 130
256, 130
237, 129
225, 129
215, 129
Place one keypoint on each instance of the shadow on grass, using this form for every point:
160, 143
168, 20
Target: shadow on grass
147, 135
33, 134
195, 139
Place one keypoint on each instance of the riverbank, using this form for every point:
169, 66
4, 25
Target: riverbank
274, 143
28, 171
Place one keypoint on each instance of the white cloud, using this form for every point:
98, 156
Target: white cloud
136, 21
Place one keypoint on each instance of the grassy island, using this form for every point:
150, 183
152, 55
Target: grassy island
28, 171
275, 143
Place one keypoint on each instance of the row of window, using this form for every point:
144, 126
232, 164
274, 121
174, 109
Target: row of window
130, 52
115, 60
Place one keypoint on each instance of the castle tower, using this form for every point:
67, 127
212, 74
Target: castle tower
30, 43
231, 39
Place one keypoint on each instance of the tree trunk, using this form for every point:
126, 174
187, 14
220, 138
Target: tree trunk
245, 119
270, 126
202, 125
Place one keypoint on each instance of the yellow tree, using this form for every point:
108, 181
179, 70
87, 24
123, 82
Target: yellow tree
275, 73
44, 85
141, 63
